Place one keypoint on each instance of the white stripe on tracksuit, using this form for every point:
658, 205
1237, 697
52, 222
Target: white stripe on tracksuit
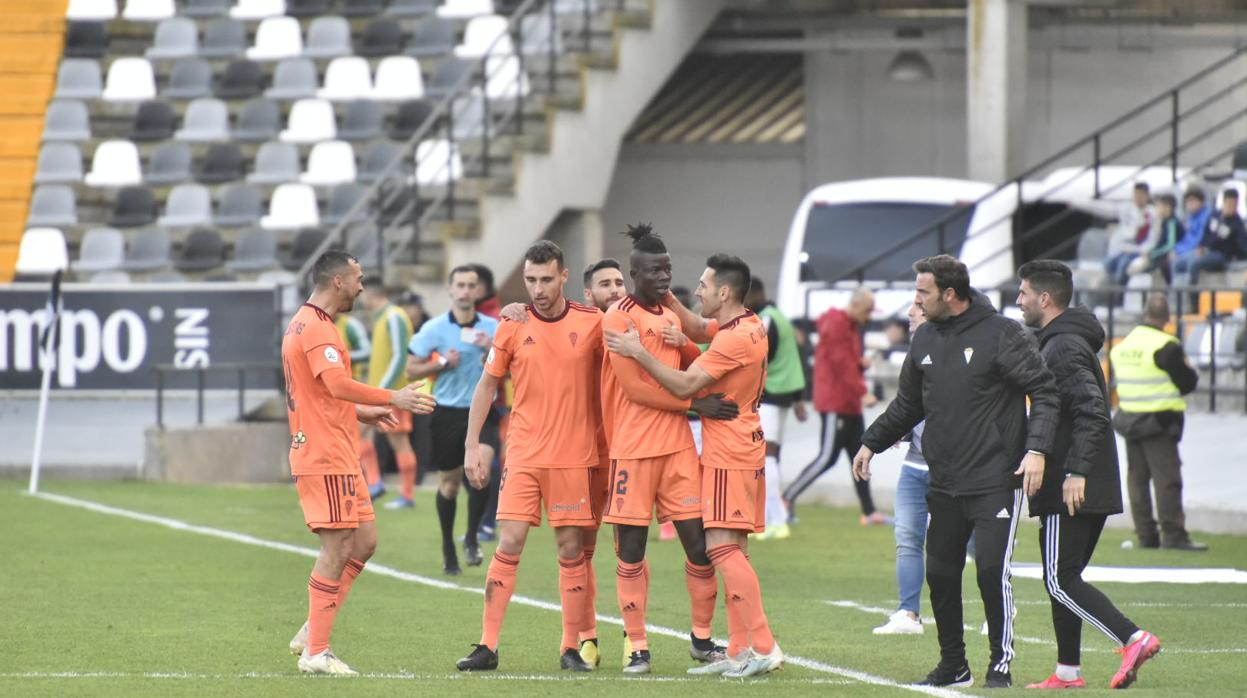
1006, 586
812, 471
1052, 549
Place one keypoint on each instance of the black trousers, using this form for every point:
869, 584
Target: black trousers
839, 433
993, 520
1067, 543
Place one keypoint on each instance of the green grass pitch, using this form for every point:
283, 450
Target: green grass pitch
96, 604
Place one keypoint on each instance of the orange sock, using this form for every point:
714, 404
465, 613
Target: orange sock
499, 585
368, 459
406, 473
632, 588
589, 622
744, 593
737, 633
349, 574
322, 608
703, 588
573, 591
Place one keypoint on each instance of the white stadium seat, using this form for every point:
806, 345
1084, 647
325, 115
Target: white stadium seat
130, 80
115, 164
437, 162
94, 10
257, 9
485, 36
276, 38
292, 206
465, 9
42, 252
330, 162
310, 120
347, 78
398, 80
148, 10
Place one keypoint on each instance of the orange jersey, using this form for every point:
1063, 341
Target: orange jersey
645, 420
736, 360
554, 365
323, 431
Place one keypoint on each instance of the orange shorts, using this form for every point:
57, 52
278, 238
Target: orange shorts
599, 490
733, 499
334, 501
669, 484
565, 492
404, 423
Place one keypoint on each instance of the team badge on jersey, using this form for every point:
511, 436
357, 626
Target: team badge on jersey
331, 355
489, 360
969, 352
572, 337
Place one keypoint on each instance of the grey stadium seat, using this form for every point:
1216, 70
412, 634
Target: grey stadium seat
202, 9
276, 163
206, 119
307, 8
433, 37
258, 121
363, 121
53, 205
86, 39
375, 159
134, 206
240, 205
409, 117
242, 79
79, 78
382, 37
67, 120
223, 38
170, 163
447, 76
202, 250
154, 121
341, 198
328, 37
305, 243
293, 78
188, 205
102, 249
59, 163
255, 250
148, 250
222, 163
410, 8
190, 78
176, 37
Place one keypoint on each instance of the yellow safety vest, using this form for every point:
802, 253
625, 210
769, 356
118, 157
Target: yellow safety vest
1142, 386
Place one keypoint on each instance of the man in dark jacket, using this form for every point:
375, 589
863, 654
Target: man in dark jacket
1082, 483
968, 373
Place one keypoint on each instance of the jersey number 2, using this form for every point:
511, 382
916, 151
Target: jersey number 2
621, 484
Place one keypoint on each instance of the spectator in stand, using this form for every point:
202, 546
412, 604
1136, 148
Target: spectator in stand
487, 302
1197, 214
840, 395
1168, 231
412, 303
1224, 240
1134, 236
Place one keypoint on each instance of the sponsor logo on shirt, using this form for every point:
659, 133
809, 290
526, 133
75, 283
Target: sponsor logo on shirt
298, 439
528, 341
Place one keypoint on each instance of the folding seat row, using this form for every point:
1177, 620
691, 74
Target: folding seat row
156, 10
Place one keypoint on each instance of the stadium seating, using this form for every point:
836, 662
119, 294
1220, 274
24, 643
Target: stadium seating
58, 163
170, 163
398, 79
78, 78
242, 79
292, 206
222, 162
307, 8
240, 205
432, 37
148, 10
364, 120
154, 121
409, 117
305, 243
52, 205
205, 8
437, 162
256, 250
257, 9
223, 38
115, 164
148, 250
310, 120
374, 161
85, 39
275, 163
328, 37
102, 249
465, 9
258, 120
134, 206
203, 250
130, 80
189, 79
176, 37
98, 10
42, 252
206, 119
360, 8
341, 198
330, 162
382, 37
276, 38
347, 78
447, 76
188, 205
410, 8
293, 78
485, 36
67, 120
469, 115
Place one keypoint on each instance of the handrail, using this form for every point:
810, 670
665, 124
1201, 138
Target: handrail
443, 106
241, 367
858, 271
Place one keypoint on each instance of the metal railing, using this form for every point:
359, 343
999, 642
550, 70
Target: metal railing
1139, 134
240, 369
419, 184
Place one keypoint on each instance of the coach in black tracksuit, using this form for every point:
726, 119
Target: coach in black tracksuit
968, 374
1082, 481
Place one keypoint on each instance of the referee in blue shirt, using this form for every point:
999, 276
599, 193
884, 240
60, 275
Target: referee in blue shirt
453, 347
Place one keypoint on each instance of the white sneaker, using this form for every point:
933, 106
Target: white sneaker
724, 665
299, 641
324, 663
900, 623
758, 664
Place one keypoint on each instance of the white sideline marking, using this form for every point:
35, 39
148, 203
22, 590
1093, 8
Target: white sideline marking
387, 571
401, 676
1145, 575
1039, 641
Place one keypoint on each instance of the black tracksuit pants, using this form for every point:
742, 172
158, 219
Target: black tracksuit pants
1067, 543
993, 520
839, 433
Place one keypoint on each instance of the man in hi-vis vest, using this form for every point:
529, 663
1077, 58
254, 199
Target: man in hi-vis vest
1152, 375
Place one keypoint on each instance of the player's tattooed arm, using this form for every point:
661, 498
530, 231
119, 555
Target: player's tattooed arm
515, 312
696, 328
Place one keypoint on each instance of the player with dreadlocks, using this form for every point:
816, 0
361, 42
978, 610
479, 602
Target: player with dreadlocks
654, 465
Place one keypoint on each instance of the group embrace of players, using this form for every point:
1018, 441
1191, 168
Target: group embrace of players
599, 433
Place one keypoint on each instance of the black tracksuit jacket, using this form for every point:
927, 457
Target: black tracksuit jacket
968, 377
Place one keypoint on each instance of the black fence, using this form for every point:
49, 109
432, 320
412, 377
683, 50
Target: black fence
264, 375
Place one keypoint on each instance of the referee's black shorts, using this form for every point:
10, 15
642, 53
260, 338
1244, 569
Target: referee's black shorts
449, 427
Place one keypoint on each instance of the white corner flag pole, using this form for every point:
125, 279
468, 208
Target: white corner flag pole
47, 350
